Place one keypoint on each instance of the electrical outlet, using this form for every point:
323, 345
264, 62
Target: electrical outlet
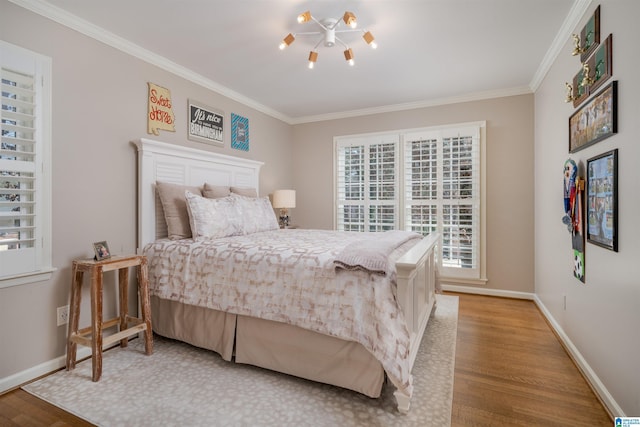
63, 315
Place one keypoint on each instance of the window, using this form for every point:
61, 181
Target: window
423, 180
25, 166
367, 184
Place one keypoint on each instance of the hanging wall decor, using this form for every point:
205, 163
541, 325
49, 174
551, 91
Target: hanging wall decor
239, 132
570, 173
205, 124
590, 35
160, 111
573, 187
596, 120
577, 232
580, 90
602, 200
600, 64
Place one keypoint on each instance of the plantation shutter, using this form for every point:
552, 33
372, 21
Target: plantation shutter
21, 164
366, 183
442, 192
424, 180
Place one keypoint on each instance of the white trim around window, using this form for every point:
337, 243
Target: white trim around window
25, 167
427, 179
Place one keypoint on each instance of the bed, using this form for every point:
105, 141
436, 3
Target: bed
345, 352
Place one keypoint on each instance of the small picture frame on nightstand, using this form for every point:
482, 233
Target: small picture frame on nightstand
102, 250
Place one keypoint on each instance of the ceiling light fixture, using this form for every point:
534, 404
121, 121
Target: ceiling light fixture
313, 57
328, 32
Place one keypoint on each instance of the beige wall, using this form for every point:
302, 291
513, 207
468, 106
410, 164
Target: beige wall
602, 316
509, 175
99, 106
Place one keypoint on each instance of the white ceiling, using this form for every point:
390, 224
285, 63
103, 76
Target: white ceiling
429, 51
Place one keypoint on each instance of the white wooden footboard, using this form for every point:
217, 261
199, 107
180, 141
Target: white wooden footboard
416, 277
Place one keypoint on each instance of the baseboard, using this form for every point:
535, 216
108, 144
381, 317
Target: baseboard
599, 389
488, 292
611, 406
20, 378
34, 372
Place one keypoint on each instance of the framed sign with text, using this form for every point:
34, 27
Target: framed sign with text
205, 124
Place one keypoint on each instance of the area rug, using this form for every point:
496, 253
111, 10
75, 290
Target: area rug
181, 385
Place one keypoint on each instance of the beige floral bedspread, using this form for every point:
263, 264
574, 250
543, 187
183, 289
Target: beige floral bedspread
289, 276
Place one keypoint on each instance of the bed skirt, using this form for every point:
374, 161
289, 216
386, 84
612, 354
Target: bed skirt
272, 345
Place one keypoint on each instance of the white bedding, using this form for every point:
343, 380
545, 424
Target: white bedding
289, 276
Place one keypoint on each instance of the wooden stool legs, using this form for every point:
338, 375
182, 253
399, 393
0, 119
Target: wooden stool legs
96, 340
145, 305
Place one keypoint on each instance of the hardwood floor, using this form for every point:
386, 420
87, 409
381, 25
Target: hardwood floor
510, 371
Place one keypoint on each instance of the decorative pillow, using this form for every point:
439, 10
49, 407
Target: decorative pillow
215, 191
245, 191
256, 213
174, 205
212, 218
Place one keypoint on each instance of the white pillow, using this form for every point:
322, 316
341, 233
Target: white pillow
256, 214
212, 218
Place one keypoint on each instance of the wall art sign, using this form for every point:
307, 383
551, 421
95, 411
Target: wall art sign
239, 132
160, 111
205, 124
596, 120
602, 200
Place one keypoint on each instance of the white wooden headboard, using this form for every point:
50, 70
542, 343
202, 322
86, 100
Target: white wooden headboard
159, 161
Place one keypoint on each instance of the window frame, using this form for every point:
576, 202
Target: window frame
24, 60
460, 276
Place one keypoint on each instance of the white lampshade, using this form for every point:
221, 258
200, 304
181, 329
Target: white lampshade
284, 199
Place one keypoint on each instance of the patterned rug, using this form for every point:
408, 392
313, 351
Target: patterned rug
181, 385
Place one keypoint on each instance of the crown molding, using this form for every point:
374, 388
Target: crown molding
82, 26
476, 96
576, 13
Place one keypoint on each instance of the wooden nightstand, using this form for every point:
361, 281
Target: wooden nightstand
92, 335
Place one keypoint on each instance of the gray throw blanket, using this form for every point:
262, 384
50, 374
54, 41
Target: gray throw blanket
371, 253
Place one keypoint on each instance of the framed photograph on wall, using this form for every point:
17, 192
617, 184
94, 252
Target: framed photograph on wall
596, 120
602, 200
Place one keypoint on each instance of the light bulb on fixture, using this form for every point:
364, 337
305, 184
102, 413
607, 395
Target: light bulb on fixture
368, 37
287, 41
313, 57
350, 19
348, 55
304, 17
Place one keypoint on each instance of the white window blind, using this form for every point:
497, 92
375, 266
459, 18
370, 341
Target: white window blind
423, 180
442, 182
367, 176
24, 150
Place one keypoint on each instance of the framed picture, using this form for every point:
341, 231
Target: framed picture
102, 250
205, 124
602, 200
239, 132
590, 35
596, 120
580, 92
600, 64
